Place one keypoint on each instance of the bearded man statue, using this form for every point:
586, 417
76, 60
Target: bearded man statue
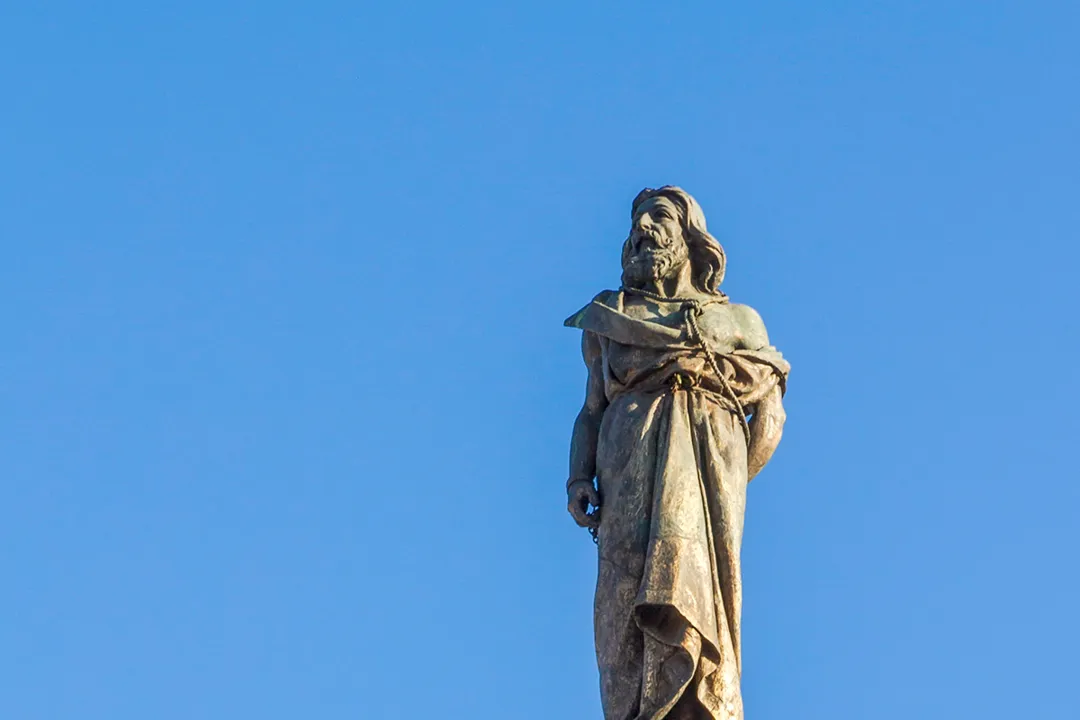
682, 409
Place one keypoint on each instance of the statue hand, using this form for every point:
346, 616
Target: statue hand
579, 495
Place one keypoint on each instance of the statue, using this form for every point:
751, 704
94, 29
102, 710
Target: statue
682, 409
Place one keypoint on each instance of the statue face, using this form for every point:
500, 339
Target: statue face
658, 249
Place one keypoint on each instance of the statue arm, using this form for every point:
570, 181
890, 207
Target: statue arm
587, 425
580, 491
767, 422
766, 428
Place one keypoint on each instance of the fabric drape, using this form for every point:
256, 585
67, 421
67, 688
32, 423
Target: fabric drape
672, 472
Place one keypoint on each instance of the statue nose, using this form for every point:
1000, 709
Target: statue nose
642, 229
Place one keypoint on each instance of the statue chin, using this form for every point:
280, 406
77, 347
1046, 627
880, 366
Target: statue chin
639, 271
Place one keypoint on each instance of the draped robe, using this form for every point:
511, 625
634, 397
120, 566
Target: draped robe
671, 468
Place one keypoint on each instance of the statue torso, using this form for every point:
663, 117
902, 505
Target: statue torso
721, 323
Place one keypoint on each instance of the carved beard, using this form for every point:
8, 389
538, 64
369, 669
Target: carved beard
654, 263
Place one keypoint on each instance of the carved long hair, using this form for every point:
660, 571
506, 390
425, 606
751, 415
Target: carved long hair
707, 259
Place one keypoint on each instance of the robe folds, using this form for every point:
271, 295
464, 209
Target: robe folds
671, 468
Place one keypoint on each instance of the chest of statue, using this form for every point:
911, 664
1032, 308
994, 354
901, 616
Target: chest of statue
717, 321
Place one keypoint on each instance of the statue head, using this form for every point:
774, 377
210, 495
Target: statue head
668, 231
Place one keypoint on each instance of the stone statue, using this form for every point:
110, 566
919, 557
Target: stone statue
682, 409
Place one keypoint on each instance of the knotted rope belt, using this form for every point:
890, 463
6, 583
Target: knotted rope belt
692, 310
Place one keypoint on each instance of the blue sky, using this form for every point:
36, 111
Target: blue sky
285, 397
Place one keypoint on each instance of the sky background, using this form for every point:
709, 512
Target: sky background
285, 396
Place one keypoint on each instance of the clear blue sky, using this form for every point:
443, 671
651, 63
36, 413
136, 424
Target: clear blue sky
285, 394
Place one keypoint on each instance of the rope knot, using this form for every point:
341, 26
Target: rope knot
681, 381
692, 309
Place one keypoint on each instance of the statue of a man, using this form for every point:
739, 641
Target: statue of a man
682, 408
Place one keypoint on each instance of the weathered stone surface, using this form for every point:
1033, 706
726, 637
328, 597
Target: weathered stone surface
682, 409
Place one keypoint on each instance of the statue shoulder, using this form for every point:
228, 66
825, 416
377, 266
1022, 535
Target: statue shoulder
609, 298
750, 327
